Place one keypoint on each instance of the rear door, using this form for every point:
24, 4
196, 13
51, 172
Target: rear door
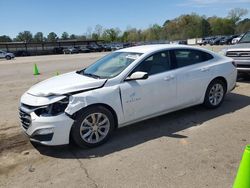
194, 72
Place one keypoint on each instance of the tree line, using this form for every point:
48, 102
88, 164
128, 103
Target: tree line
181, 28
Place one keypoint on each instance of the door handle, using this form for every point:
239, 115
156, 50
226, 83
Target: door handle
168, 78
205, 69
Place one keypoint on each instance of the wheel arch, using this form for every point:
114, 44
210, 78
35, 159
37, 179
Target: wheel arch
103, 105
223, 79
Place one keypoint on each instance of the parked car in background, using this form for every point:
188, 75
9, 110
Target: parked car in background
206, 40
21, 53
240, 52
216, 40
83, 49
95, 48
58, 50
236, 40
116, 46
6, 55
71, 50
106, 47
179, 42
124, 87
227, 39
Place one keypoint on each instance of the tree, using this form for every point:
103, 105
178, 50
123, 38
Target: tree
38, 37
73, 36
5, 38
205, 28
65, 36
236, 14
25, 36
98, 31
52, 37
95, 36
221, 26
89, 33
111, 34
185, 26
243, 26
166, 23
82, 37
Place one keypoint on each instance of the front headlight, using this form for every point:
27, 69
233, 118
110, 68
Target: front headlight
53, 109
223, 52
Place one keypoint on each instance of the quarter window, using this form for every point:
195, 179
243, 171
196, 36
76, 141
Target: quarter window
185, 57
157, 63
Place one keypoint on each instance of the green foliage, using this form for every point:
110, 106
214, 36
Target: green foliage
65, 36
25, 36
5, 38
52, 37
111, 34
243, 26
221, 26
38, 37
95, 36
236, 14
72, 36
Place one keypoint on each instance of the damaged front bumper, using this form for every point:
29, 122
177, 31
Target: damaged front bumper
54, 130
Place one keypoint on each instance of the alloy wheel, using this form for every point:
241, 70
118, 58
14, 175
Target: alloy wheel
94, 128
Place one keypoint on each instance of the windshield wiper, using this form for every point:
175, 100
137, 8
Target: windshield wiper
91, 75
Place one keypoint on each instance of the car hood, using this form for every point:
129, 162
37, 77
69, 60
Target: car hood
239, 46
65, 83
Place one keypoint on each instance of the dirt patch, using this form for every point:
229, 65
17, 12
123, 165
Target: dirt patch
14, 143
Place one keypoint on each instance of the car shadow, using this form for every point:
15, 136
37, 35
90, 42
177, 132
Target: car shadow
169, 125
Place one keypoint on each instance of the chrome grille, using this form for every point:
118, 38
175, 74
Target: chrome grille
238, 54
25, 119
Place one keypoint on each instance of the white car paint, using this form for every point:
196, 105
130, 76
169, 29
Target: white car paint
131, 101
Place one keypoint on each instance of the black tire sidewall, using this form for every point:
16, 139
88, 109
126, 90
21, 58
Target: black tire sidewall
81, 115
8, 57
207, 103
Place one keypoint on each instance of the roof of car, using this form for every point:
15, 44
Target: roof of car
152, 48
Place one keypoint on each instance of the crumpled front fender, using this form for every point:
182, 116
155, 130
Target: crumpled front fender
76, 104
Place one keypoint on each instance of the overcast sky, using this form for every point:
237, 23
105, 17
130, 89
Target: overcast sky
78, 16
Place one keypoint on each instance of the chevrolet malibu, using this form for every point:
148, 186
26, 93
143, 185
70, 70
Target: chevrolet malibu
124, 87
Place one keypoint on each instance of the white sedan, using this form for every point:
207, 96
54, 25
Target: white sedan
124, 87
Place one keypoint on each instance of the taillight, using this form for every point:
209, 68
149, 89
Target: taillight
234, 64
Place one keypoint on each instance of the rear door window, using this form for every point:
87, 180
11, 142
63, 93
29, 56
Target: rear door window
186, 57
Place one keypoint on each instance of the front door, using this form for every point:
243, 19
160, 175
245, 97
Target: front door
157, 93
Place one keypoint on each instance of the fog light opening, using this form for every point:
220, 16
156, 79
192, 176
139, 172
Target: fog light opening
44, 131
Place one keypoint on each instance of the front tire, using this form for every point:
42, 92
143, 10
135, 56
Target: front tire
93, 126
8, 57
215, 94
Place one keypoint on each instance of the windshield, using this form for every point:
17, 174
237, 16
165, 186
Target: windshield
245, 38
111, 65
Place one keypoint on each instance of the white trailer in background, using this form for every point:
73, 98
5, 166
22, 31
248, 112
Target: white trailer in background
194, 41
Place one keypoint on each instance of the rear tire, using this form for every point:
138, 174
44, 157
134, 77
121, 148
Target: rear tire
93, 126
8, 57
215, 94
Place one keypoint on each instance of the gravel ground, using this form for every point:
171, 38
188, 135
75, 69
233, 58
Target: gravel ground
194, 147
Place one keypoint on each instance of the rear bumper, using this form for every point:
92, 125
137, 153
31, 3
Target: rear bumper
231, 80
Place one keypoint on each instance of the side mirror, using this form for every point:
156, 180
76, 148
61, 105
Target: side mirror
138, 76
